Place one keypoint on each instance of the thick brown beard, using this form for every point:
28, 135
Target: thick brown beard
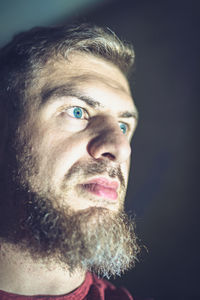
92, 239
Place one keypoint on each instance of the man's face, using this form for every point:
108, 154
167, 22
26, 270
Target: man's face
73, 156
80, 134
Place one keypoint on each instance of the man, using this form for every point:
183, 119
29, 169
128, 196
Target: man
67, 118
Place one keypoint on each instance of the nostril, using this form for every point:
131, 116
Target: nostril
109, 155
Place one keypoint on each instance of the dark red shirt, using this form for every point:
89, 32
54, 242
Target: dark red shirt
93, 288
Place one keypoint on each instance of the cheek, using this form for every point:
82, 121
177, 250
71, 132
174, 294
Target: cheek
69, 124
128, 164
125, 170
62, 153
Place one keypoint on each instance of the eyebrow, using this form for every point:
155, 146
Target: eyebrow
71, 90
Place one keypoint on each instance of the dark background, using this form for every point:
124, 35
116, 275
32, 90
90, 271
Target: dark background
164, 174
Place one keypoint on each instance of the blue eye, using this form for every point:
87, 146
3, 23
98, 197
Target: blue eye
123, 127
77, 112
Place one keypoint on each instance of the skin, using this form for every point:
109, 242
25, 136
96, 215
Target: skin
61, 141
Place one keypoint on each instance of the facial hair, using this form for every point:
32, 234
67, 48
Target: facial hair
91, 239
94, 239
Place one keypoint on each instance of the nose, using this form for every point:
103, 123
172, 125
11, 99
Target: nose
109, 142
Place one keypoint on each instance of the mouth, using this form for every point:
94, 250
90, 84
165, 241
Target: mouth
102, 187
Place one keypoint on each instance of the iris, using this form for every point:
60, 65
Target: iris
77, 112
123, 127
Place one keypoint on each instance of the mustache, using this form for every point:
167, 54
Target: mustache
88, 169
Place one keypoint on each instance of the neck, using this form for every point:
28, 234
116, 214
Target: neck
23, 275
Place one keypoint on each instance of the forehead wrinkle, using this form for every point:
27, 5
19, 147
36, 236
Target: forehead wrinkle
88, 77
72, 83
68, 91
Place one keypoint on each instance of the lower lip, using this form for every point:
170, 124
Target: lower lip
101, 191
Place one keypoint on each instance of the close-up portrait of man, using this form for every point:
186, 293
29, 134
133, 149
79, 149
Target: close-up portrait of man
67, 119
99, 160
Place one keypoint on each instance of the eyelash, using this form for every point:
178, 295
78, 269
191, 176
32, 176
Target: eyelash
81, 111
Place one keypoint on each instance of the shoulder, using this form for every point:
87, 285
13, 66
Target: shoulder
103, 289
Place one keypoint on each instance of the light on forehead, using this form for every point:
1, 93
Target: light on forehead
90, 67
74, 82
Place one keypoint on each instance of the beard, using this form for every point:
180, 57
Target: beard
95, 239
92, 239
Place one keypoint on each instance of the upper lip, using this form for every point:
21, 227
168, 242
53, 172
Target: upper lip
111, 184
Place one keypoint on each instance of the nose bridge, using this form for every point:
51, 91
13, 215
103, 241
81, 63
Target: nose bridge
108, 140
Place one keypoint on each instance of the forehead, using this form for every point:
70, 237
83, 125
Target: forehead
91, 75
85, 64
